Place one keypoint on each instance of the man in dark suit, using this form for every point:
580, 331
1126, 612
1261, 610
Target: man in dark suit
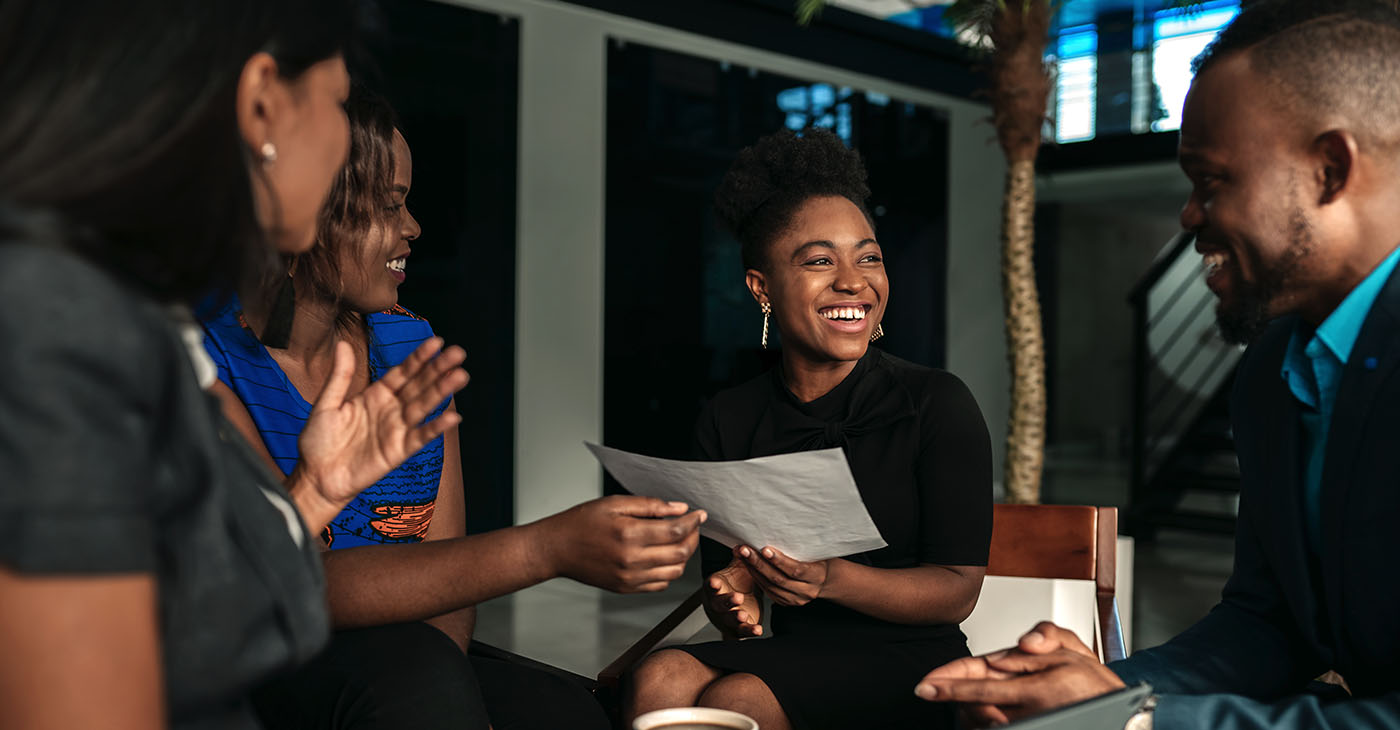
1291, 139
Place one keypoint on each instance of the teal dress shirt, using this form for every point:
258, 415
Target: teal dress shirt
1313, 372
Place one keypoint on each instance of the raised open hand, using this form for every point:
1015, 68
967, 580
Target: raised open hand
351, 443
732, 601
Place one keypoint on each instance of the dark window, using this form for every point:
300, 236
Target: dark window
452, 75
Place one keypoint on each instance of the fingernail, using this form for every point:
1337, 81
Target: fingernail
1034, 637
926, 691
678, 505
767, 552
704, 515
997, 656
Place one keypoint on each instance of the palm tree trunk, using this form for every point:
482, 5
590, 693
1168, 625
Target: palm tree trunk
1020, 87
1025, 344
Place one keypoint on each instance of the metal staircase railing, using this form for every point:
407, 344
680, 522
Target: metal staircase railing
1181, 372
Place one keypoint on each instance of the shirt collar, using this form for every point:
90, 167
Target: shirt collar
1337, 334
1341, 328
1339, 331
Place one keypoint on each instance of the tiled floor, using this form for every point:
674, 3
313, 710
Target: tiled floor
575, 627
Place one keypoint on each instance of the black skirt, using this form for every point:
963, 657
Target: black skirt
843, 683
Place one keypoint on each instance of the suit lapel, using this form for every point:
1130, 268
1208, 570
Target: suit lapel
1374, 357
1280, 490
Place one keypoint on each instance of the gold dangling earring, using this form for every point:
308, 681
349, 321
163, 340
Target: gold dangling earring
767, 310
878, 333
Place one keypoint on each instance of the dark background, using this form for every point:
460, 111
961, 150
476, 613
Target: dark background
452, 75
679, 323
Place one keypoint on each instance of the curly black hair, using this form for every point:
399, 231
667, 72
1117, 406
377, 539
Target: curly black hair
769, 181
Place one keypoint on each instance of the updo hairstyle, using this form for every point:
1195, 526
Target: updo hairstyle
769, 181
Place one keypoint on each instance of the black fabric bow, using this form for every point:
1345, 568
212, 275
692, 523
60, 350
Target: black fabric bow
875, 401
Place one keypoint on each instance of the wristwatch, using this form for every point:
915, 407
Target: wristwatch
1142, 719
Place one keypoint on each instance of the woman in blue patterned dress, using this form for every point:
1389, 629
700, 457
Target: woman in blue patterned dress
403, 579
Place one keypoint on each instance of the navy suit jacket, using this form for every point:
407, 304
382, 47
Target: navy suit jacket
1285, 617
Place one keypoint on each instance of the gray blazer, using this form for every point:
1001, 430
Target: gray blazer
112, 460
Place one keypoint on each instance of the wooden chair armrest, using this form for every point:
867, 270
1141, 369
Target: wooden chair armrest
612, 674
1113, 646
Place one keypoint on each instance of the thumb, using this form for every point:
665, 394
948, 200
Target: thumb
338, 384
648, 507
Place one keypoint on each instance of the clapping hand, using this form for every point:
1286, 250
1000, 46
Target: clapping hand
1049, 667
732, 600
351, 443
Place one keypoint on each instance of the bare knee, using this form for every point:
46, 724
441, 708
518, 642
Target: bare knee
734, 691
750, 695
670, 667
668, 678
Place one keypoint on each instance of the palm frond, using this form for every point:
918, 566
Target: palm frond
808, 10
1190, 6
975, 17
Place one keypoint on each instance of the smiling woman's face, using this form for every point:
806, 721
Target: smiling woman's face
372, 269
825, 278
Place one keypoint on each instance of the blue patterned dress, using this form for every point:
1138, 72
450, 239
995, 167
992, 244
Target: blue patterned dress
396, 509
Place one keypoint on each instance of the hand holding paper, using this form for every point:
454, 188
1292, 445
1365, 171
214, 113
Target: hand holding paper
788, 582
805, 504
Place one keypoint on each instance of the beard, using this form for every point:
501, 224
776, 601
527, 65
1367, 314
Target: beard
1249, 312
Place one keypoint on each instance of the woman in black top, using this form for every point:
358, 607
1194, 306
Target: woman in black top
851, 636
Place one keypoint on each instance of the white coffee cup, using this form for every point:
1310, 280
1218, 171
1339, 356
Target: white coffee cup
694, 718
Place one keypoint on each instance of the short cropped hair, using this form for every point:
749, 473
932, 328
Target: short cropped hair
769, 181
1323, 57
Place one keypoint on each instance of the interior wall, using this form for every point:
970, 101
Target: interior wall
976, 320
1111, 226
559, 302
1104, 250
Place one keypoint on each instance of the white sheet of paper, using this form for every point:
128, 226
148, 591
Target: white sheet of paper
805, 504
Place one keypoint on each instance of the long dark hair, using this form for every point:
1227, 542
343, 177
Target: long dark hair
358, 199
360, 196
119, 117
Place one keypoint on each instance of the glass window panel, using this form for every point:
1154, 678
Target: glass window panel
1181, 36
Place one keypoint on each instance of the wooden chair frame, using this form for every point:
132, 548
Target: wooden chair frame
1064, 541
